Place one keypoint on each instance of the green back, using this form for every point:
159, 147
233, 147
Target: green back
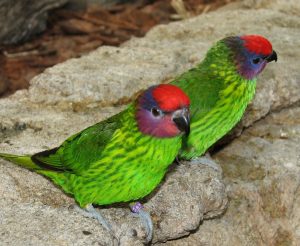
219, 97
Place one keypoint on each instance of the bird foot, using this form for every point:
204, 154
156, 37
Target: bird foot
90, 212
138, 211
207, 161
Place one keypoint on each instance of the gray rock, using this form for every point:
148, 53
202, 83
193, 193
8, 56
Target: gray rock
167, 51
262, 172
20, 19
72, 95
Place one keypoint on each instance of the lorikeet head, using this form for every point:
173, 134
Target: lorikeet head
250, 53
163, 111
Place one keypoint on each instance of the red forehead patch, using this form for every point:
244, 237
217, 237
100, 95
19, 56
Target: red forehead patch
170, 97
257, 44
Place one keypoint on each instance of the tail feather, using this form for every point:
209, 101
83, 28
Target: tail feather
23, 161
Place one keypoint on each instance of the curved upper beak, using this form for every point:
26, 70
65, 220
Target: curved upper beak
182, 120
272, 57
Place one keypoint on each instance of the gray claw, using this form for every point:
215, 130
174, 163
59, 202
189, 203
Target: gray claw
145, 218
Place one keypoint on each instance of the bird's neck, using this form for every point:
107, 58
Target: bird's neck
234, 87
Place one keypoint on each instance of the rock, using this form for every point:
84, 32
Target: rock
189, 195
75, 94
167, 51
262, 173
21, 19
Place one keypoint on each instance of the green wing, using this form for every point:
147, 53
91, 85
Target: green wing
203, 84
202, 89
80, 150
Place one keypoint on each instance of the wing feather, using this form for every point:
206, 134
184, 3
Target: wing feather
80, 150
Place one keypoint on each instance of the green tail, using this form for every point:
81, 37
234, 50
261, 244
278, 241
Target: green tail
23, 161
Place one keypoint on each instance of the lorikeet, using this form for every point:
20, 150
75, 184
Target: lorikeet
120, 159
221, 87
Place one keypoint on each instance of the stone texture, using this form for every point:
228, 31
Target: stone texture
20, 19
261, 167
262, 173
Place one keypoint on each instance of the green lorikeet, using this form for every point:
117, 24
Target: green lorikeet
120, 159
221, 87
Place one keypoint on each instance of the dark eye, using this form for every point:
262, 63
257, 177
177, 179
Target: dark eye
256, 60
156, 112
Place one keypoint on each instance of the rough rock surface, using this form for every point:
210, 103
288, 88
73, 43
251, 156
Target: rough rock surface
19, 19
261, 167
262, 172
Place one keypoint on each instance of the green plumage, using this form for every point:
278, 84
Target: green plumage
219, 97
106, 163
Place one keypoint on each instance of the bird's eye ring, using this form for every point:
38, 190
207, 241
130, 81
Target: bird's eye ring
256, 60
156, 112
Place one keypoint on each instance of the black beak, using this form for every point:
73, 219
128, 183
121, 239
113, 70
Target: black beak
272, 57
182, 120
